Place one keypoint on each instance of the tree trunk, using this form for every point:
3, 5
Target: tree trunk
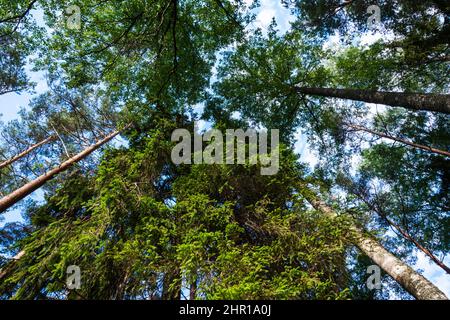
427, 252
416, 284
17, 195
375, 208
412, 144
412, 101
4, 272
24, 153
193, 291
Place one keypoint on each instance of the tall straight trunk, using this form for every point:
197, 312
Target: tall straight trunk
416, 284
412, 101
24, 153
17, 195
406, 142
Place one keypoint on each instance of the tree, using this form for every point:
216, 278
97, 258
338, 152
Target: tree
11, 199
150, 245
15, 44
25, 152
257, 85
141, 227
12, 74
421, 29
75, 119
409, 279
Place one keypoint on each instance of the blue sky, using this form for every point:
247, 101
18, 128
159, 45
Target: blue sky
11, 103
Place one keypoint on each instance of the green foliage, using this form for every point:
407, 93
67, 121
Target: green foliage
232, 232
16, 43
140, 227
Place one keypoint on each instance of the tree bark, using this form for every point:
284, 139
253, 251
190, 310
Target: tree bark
416, 284
17, 195
412, 101
375, 208
406, 142
24, 153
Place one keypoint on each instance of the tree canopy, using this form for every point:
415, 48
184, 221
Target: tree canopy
123, 75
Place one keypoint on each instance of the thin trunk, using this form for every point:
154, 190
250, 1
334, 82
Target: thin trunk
416, 284
4, 272
404, 233
17, 195
24, 153
412, 101
193, 291
436, 59
120, 291
408, 237
406, 142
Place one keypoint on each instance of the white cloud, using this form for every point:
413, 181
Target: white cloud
302, 148
265, 17
332, 43
236, 115
270, 9
266, 13
375, 109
